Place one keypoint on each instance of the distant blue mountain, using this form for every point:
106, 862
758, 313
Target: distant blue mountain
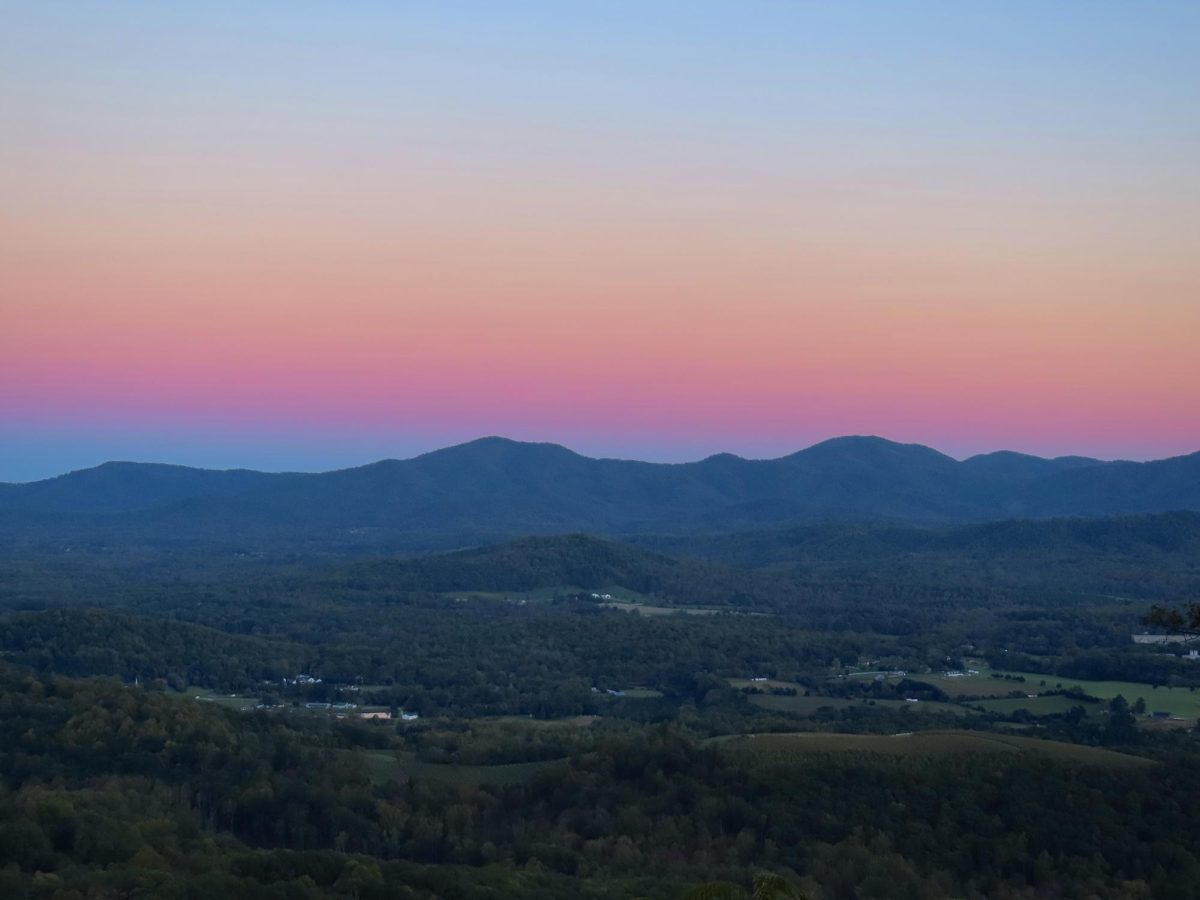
494, 487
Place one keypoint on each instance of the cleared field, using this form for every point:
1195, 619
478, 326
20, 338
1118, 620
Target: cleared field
382, 766
806, 706
539, 724
1178, 701
229, 701
787, 748
1039, 706
962, 686
646, 609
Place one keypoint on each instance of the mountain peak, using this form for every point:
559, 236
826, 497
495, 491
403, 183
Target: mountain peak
496, 445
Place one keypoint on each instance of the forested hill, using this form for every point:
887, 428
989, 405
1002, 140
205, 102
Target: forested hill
1156, 555
495, 488
1142, 536
1150, 556
111, 642
565, 562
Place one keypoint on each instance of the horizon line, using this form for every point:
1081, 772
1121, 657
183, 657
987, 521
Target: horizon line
564, 447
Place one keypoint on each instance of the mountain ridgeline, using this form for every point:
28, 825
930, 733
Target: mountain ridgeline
495, 488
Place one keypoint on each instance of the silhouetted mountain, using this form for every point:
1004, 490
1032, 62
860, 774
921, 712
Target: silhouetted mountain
494, 488
122, 486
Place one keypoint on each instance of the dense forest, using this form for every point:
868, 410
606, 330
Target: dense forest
920, 714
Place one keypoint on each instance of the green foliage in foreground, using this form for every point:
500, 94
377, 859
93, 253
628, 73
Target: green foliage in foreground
108, 790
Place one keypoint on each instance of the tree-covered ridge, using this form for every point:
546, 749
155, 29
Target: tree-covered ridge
570, 561
495, 488
78, 642
1152, 556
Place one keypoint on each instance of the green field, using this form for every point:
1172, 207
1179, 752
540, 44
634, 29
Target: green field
620, 595
788, 748
229, 701
1039, 706
1179, 701
382, 766
648, 609
968, 686
530, 722
806, 706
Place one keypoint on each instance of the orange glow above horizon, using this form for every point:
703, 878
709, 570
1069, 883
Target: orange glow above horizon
732, 276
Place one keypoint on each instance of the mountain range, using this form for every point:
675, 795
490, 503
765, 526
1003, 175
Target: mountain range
493, 488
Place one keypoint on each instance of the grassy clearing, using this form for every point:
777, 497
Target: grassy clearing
962, 687
791, 748
229, 701
647, 609
807, 706
967, 687
1038, 706
1179, 701
382, 766
539, 724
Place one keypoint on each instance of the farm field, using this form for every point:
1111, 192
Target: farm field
807, 706
647, 609
530, 722
229, 701
961, 686
1039, 706
785, 748
1178, 701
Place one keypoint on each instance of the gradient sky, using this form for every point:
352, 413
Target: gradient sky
306, 235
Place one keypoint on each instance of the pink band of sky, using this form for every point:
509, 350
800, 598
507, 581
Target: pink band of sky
746, 228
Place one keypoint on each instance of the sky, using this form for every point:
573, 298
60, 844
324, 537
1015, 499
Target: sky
305, 235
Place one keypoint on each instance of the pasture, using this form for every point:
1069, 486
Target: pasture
807, 706
1179, 701
1052, 705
